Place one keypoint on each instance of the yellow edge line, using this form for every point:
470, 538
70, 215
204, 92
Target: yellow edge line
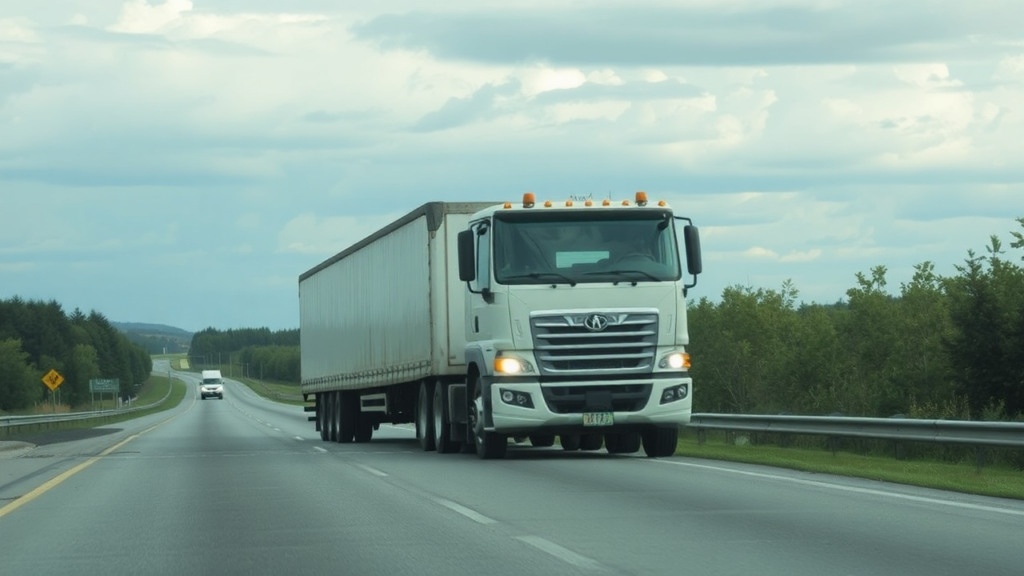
54, 482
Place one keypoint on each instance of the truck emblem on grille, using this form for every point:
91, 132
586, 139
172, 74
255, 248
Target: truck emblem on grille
596, 322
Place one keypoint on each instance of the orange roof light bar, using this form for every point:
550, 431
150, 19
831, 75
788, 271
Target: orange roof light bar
529, 200
641, 198
547, 203
606, 202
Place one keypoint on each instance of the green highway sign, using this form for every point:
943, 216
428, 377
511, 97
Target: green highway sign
105, 385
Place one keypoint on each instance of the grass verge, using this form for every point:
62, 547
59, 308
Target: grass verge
152, 391
993, 480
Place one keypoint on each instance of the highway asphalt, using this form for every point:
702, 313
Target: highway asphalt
245, 486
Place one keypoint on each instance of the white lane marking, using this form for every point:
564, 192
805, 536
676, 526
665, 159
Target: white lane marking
276, 429
871, 491
471, 514
319, 449
373, 471
563, 554
299, 438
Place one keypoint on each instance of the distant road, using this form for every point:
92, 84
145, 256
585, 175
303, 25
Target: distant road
244, 486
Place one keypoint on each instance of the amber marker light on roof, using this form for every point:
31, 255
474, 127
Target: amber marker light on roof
547, 203
529, 200
641, 198
606, 202
588, 203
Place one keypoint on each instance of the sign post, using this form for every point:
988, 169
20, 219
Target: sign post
102, 385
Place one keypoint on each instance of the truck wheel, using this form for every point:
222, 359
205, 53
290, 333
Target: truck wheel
489, 445
332, 416
542, 440
425, 416
660, 442
622, 443
569, 442
443, 442
321, 417
590, 442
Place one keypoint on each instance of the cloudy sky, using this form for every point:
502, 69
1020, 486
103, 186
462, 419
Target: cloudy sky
183, 162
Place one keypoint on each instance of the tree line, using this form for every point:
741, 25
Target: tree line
37, 336
938, 347
260, 352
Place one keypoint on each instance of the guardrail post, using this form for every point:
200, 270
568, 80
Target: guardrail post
979, 457
702, 436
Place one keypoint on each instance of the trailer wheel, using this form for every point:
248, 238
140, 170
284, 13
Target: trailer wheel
321, 417
425, 416
660, 442
332, 416
489, 445
443, 442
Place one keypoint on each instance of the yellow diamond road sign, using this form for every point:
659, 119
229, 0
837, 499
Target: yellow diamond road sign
53, 379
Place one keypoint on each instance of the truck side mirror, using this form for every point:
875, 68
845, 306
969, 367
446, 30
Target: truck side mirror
467, 260
692, 240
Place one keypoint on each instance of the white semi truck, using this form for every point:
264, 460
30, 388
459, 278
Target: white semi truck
484, 323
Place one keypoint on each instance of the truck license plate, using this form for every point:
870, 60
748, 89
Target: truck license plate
598, 419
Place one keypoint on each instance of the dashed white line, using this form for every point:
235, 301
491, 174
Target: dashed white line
471, 514
870, 491
299, 438
373, 471
277, 429
319, 449
562, 553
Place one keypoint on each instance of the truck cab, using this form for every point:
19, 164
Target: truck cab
576, 323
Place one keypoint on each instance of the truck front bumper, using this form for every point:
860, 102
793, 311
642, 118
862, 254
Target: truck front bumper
521, 406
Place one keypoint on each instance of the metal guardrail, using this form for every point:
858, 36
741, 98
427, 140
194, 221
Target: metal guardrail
12, 421
972, 433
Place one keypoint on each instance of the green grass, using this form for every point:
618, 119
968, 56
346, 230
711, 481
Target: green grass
999, 480
152, 391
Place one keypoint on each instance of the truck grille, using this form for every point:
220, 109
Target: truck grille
579, 399
605, 342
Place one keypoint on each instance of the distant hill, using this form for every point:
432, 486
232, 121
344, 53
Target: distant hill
156, 338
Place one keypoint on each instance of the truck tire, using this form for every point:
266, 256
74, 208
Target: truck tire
591, 442
489, 445
321, 417
660, 442
622, 443
443, 442
348, 415
332, 416
569, 442
425, 416
542, 440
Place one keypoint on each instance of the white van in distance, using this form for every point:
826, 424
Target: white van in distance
212, 385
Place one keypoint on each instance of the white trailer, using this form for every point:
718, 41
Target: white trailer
484, 322
382, 320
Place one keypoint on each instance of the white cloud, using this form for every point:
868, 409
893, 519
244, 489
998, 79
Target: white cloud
312, 234
140, 17
198, 137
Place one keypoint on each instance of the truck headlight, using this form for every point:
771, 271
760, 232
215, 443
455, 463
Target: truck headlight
511, 365
676, 361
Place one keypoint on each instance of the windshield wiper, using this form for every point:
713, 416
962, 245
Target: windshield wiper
539, 275
621, 272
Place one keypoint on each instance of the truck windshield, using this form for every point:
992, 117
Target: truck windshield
570, 247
